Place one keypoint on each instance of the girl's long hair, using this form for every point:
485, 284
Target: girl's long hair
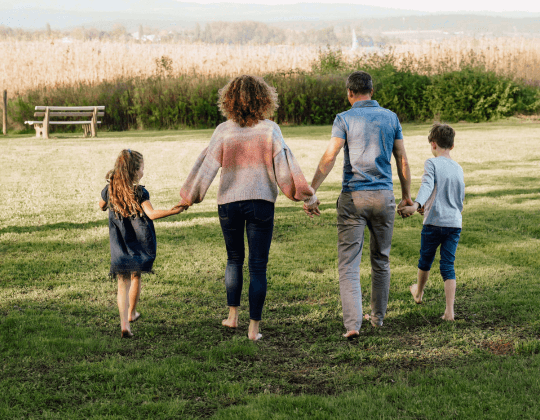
123, 184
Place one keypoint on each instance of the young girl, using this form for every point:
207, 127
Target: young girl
131, 231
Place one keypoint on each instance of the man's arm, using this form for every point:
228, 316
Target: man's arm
327, 162
404, 172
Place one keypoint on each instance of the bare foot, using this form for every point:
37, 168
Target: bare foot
134, 317
368, 317
414, 291
448, 317
351, 334
255, 337
230, 322
126, 334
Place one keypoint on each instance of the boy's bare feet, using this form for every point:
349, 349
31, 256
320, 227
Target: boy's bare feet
232, 320
351, 334
448, 316
414, 291
134, 317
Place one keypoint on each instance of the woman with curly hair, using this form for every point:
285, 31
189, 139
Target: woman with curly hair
254, 161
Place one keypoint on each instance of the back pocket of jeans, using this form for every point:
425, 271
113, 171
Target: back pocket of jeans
263, 210
222, 212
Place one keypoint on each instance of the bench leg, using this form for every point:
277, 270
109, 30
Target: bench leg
86, 129
39, 130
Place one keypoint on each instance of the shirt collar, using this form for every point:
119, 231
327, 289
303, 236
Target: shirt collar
362, 104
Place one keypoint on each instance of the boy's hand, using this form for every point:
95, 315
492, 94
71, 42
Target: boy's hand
421, 210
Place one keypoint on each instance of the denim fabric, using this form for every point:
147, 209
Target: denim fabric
356, 210
257, 216
369, 132
447, 238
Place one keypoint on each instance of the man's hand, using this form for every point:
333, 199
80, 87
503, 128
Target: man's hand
402, 204
312, 210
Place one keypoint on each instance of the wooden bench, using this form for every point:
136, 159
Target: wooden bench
48, 112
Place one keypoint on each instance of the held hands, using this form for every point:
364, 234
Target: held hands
180, 207
313, 209
404, 203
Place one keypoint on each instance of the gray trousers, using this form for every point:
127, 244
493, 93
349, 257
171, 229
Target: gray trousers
355, 211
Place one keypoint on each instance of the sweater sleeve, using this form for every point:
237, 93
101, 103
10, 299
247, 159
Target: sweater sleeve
289, 176
202, 174
428, 183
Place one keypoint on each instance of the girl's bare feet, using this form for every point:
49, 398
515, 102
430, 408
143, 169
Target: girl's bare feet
232, 320
351, 334
253, 331
414, 291
126, 334
134, 317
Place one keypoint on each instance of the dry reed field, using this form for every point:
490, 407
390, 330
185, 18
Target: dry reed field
29, 65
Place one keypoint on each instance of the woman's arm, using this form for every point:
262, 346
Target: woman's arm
102, 204
154, 214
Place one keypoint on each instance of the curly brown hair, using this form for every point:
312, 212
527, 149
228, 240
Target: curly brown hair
123, 184
247, 100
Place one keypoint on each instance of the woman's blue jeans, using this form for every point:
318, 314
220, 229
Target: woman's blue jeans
257, 216
447, 238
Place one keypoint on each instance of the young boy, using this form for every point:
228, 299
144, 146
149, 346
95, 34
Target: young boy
441, 197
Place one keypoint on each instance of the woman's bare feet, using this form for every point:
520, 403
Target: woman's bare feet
351, 334
134, 317
253, 331
414, 291
232, 320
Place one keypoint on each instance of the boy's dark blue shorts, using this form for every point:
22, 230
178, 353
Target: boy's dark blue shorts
447, 238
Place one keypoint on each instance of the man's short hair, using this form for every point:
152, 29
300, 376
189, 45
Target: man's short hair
443, 135
360, 83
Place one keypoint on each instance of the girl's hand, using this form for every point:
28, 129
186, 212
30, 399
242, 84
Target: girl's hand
178, 209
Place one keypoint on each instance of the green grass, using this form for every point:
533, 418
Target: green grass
59, 326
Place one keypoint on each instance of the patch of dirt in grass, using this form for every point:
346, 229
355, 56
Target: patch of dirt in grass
499, 347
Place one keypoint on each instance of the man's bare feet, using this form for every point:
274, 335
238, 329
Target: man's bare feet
232, 320
126, 334
448, 317
351, 334
134, 317
414, 291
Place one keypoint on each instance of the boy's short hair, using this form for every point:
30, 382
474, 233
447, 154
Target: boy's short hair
360, 83
443, 135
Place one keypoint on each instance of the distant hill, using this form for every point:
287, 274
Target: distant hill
172, 14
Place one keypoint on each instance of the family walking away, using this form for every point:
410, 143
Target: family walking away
255, 161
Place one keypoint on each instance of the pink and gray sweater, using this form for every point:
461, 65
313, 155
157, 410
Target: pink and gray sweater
254, 161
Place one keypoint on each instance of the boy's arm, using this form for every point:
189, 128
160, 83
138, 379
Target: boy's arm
428, 183
102, 204
154, 214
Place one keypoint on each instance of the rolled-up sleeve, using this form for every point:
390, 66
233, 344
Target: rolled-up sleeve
428, 183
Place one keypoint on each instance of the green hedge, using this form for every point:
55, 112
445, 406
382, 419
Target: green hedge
314, 97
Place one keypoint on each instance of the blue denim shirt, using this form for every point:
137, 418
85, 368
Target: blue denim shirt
369, 132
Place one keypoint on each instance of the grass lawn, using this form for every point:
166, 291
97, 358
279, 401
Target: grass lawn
60, 348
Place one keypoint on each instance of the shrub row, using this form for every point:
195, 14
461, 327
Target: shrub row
315, 97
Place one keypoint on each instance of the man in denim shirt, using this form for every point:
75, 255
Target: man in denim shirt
369, 135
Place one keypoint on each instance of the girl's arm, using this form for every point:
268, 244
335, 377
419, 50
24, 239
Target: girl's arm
102, 204
154, 214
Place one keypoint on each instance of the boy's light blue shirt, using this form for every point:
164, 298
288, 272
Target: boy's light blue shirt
369, 132
442, 192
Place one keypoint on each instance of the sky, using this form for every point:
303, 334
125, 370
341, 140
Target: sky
421, 5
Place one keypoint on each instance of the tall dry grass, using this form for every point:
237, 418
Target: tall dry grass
30, 65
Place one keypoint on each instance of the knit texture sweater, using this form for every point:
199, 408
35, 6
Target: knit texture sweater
254, 161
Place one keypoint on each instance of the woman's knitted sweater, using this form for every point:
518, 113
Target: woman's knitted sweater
253, 161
